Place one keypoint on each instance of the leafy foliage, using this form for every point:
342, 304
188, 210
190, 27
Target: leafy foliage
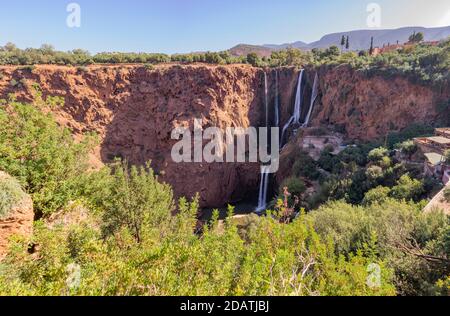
129, 239
270, 258
41, 155
414, 244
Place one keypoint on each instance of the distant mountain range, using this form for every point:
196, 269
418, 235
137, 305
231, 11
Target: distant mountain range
359, 40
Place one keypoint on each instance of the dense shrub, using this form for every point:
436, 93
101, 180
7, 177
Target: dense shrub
41, 155
408, 240
408, 189
408, 148
269, 259
378, 154
133, 198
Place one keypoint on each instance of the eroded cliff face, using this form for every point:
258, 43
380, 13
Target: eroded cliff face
368, 108
134, 110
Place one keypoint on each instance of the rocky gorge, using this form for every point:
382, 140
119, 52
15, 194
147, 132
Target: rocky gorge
134, 108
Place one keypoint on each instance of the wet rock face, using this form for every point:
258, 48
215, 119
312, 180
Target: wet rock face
18, 220
134, 110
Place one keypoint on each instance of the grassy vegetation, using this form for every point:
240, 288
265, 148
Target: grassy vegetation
10, 195
134, 239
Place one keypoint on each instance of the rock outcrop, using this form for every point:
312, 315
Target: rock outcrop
367, 108
18, 221
134, 110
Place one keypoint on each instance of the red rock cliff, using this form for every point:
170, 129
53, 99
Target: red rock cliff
134, 110
371, 107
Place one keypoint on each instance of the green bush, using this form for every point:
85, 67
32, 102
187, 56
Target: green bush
295, 186
408, 147
408, 189
41, 155
270, 258
405, 237
410, 132
132, 198
378, 195
378, 154
10, 195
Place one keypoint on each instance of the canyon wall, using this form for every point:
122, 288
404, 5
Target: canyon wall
135, 108
368, 108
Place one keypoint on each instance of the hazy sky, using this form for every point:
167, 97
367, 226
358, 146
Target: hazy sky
198, 25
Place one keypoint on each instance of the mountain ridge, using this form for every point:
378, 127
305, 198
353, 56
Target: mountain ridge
359, 39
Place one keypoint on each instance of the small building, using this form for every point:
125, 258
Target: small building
436, 144
434, 149
444, 132
434, 164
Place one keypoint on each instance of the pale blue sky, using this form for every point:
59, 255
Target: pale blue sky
171, 26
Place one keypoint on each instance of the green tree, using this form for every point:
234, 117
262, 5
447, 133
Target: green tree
416, 37
135, 201
406, 239
371, 49
347, 43
378, 195
408, 189
332, 51
408, 148
253, 59
377, 154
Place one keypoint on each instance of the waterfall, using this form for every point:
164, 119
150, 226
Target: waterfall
298, 99
266, 98
285, 127
277, 100
315, 92
262, 199
297, 109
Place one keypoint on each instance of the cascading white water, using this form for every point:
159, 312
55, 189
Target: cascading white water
295, 119
298, 99
264, 185
297, 108
277, 100
315, 93
266, 98
262, 198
